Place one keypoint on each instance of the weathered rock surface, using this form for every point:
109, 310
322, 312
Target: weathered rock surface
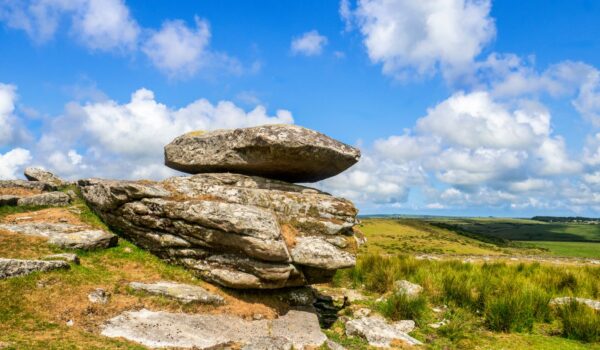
407, 288
284, 152
594, 304
17, 267
68, 257
41, 175
235, 230
183, 292
65, 235
9, 199
31, 185
379, 333
203, 331
98, 296
54, 199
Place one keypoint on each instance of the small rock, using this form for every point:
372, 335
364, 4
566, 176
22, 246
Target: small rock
72, 195
258, 316
55, 199
333, 345
408, 288
70, 323
269, 343
41, 175
362, 312
183, 292
439, 324
17, 267
594, 304
98, 296
378, 332
353, 295
405, 326
68, 257
303, 296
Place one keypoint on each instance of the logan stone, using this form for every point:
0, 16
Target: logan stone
284, 152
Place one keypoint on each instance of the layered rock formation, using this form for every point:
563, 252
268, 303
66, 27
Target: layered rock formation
237, 230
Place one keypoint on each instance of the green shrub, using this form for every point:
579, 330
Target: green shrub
512, 309
399, 306
579, 322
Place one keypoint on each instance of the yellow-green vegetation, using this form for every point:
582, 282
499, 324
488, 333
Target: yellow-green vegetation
485, 300
393, 236
557, 238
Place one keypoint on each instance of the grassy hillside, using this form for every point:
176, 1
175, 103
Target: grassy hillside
560, 239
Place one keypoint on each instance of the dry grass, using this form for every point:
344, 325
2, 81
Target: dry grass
18, 246
19, 191
51, 215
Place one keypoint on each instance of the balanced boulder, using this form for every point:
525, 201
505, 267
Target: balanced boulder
41, 175
236, 230
282, 152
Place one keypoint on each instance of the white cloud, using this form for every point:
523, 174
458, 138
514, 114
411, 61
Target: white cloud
409, 37
309, 44
100, 138
97, 24
105, 25
7, 107
178, 49
12, 161
476, 120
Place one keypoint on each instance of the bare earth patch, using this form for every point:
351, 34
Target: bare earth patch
19, 191
51, 215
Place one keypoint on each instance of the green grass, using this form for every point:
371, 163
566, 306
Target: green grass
570, 249
495, 298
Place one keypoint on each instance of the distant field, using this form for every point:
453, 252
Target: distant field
419, 236
481, 236
575, 249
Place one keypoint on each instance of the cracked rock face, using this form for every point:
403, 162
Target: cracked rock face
17, 267
298, 329
284, 152
238, 231
65, 235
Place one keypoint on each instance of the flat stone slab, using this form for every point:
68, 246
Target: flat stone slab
204, 331
379, 333
283, 152
185, 293
65, 235
31, 185
18, 267
55, 199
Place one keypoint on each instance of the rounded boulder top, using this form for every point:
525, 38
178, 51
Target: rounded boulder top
283, 152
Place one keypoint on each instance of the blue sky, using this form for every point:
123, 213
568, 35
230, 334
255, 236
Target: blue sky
461, 107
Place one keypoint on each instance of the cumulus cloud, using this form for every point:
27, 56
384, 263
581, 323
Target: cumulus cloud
7, 106
470, 149
97, 24
421, 37
309, 44
178, 49
12, 162
110, 139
